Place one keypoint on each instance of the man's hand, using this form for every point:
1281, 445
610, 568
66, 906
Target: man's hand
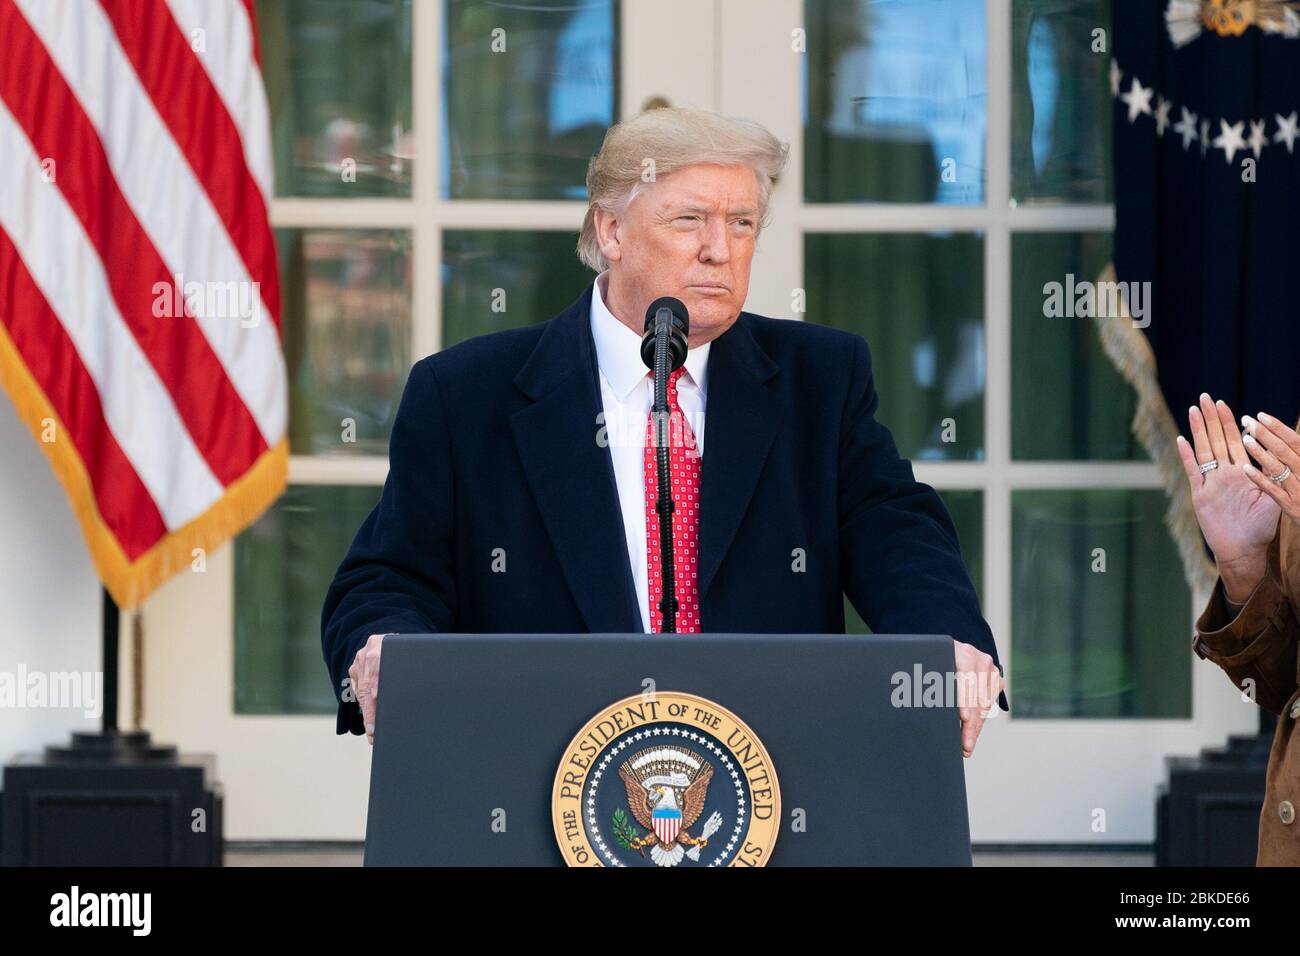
978, 684
1236, 517
364, 674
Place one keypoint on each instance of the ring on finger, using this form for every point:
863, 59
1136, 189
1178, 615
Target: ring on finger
1209, 466
1281, 476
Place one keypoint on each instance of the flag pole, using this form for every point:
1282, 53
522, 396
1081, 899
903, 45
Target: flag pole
111, 745
112, 620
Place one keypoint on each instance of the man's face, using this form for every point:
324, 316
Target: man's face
690, 235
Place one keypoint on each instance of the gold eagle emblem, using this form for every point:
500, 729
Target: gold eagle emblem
1186, 19
667, 787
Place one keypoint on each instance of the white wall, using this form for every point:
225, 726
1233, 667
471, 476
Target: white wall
49, 594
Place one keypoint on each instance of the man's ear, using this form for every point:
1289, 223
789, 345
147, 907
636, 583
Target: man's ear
607, 237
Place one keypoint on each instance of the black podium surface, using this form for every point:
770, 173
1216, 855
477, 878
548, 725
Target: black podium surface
471, 729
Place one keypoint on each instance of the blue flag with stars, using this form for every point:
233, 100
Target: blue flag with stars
1207, 219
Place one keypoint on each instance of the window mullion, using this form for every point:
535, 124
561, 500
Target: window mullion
426, 280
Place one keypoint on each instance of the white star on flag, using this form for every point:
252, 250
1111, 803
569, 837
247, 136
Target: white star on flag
1257, 140
1138, 99
1186, 127
1229, 139
1162, 114
1286, 130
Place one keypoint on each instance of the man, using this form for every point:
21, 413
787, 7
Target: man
520, 492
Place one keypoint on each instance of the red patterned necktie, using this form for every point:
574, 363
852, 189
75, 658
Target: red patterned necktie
684, 471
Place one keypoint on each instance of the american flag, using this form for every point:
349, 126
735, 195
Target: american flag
139, 293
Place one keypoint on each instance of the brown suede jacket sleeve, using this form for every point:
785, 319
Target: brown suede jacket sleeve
1256, 647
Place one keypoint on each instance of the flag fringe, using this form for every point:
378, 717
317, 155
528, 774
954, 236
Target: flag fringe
130, 582
1153, 425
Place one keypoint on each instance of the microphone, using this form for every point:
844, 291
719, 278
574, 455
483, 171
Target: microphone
663, 349
670, 315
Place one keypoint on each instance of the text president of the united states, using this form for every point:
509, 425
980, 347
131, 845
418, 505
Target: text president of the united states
516, 498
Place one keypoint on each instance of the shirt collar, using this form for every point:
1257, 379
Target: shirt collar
618, 349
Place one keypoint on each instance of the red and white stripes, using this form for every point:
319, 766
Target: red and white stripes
135, 157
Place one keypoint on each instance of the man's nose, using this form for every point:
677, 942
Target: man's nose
715, 247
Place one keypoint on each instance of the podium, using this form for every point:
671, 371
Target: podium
667, 750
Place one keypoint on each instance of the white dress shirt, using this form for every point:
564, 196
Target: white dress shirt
627, 393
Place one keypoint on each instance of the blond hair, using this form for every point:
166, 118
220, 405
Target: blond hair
658, 141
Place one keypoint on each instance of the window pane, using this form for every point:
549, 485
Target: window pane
528, 92
918, 300
1060, 102
338, 80
496, 279
1068, 401
283, 566
347, 336
967, 511
894, 101
1101, 620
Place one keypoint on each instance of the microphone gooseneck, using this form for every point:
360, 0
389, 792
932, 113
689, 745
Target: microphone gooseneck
663, 349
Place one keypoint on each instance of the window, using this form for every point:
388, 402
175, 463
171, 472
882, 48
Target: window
430, 167
943, 189
386, 257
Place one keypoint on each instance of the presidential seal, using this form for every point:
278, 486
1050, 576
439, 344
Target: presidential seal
666, 779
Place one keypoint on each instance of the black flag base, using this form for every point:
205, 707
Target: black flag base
112, 747
1207, 814
112, 798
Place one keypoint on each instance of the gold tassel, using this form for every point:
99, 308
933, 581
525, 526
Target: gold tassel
1153, 425
130, 582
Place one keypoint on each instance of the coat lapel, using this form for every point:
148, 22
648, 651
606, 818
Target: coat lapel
571, 476
741, 419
